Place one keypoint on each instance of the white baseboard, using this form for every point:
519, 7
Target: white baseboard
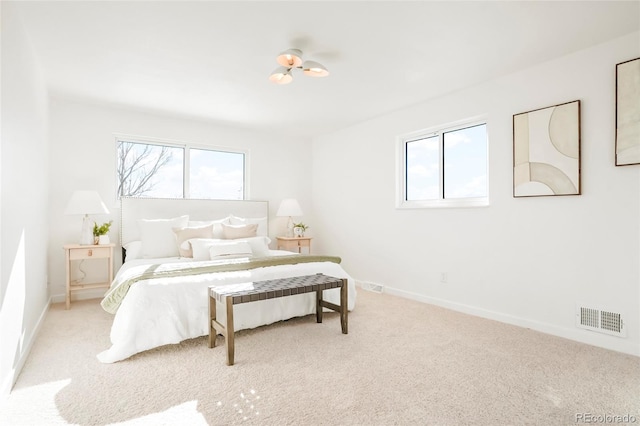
579, 335
9, 381
94, 293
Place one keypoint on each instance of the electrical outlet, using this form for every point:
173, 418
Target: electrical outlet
443, 277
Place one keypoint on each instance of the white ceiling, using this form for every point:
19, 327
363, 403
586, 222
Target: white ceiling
211, 60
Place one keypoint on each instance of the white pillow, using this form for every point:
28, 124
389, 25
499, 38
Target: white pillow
229, 250
259, 245
200, 247
158, 239
133, 250
217, 225
260, 221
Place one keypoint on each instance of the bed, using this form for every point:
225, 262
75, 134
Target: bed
173, 250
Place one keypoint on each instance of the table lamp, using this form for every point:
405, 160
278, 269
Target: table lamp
289, 207
86, 203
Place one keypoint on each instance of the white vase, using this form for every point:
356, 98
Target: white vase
103, 239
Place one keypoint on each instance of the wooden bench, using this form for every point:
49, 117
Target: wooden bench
229, 295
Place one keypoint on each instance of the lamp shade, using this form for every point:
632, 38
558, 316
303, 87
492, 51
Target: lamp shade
314, 69
289, 207
281, 75
86, 202
290, 58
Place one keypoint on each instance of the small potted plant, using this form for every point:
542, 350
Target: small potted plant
100, 232
299, 229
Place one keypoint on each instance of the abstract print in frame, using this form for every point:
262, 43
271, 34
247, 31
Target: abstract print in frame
628, 112
546, 151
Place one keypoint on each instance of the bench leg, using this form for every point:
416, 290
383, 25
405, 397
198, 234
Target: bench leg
230, 332
212, 317
344, 311
319, 306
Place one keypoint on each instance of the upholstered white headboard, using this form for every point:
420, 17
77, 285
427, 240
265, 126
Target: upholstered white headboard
133, 209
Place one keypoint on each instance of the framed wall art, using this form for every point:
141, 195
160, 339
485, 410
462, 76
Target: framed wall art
628, 112
546, 151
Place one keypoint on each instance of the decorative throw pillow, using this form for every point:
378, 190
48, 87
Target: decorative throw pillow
158, 239
232, 232
262, 223
259, 245
217, 225
184, 234
229, 250
200, 247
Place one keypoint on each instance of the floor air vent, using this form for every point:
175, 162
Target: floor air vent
600, 320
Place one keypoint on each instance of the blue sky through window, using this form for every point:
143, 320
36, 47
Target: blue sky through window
160, 171
140, 180
217, 174
423, 169
464, 155
465, 162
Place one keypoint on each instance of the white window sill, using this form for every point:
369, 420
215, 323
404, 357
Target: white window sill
444, 204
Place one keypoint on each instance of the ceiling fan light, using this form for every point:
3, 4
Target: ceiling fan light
290, 58
281, 75
314, 69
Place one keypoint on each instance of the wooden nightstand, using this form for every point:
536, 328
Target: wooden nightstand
80, 252
294, 243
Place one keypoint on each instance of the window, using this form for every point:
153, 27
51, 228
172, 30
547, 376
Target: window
216, 173
445, 167
162, 170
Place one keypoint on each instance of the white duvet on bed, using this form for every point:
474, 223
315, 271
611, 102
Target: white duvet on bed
169, 310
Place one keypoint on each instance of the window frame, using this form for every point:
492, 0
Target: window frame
186, 161
401, 167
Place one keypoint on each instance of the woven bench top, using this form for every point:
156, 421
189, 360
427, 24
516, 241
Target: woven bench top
271, 289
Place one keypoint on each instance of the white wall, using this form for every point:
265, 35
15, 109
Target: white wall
23, 199
525, 261
83, 157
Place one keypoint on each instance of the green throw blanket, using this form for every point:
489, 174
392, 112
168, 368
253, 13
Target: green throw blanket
121, 285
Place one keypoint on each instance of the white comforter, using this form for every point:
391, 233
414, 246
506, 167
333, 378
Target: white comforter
162, 311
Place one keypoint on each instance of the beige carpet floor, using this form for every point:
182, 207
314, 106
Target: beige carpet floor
402, 363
